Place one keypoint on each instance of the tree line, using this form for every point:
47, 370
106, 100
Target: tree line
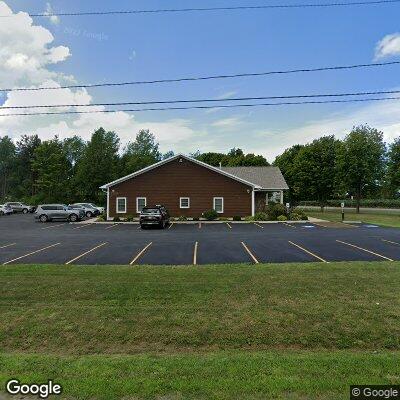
70, 170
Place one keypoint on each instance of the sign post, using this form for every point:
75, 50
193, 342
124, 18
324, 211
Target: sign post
287, 209
342, 205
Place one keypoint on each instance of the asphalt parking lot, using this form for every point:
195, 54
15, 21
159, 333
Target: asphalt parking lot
24, 241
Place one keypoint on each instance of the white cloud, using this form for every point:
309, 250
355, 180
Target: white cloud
227, 95
389, 46
25, 55
54, 19
227, 123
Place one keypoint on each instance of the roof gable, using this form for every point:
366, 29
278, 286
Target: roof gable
160, 163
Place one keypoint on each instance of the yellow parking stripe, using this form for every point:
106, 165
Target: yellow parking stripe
29, 254
8, 245
229, 225
250, 253
308, 252
84, 254
383, 240
367, 251
140, 253
83, 226
112, 226
196, 246
260, 226
53, 226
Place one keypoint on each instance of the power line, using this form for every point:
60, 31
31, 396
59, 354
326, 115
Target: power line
130, 103
210, 77
203, 107
207, 9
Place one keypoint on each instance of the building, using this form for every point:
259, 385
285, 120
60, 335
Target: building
189, 187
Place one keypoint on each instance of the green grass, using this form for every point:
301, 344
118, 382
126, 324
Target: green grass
299, 331
379, 218
216, 375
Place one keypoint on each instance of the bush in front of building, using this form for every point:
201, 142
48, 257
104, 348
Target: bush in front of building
116, 219
210, 215
101, 218
129, 218
298, 215
282, 218
261, 216
182, 218
236, 218
274, 210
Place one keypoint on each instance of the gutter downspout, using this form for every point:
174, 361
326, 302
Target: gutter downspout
253, 203
108, 204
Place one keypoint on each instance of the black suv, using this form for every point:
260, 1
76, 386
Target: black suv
154, 216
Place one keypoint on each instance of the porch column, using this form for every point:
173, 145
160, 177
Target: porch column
253, 205
281, 196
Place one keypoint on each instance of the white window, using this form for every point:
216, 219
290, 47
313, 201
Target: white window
219, 205
184, 202
121, 205
140, 204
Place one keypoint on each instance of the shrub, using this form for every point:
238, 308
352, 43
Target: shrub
222, 219
182, 218
249, 218
210, 215
282, 218
116, 219
130, 218
261, 216
295, 217
236, 218
101, 218
274, 210
196, 219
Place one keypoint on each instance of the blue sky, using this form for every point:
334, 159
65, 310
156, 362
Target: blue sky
143, 47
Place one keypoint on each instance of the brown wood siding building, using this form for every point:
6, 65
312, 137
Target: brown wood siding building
181, 177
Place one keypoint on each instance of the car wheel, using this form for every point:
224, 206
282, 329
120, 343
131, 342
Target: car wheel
43, 218
89, 214
73, 218
25, 211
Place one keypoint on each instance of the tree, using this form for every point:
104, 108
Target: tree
393, 168
234, 158
25, 176
141, 153
360, 161
97, 166
51, 166
314, 169
7, 163
286, 162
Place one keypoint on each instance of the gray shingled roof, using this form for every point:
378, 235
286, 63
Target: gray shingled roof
266, 177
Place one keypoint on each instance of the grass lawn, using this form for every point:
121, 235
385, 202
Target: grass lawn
379, 218
297, 331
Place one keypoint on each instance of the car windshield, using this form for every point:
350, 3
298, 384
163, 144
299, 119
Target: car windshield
150, 211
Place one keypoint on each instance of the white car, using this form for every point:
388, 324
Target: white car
5, 209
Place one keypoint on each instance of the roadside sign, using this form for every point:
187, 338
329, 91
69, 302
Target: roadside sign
342, 205
287, 205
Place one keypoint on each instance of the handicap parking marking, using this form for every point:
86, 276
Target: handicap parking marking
7, 245
196, 246
85, 253
308, 252
140, 253
383, 240
366, 250
250, 253
54, 226
31, 253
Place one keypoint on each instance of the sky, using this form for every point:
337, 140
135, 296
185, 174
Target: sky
86, 49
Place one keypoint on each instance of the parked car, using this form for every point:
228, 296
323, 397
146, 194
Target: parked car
90, 210
20, 207
5, 209
154, 216
50, 212
101, 209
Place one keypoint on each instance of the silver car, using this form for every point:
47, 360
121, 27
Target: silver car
20, 207
90, 210
51, 212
